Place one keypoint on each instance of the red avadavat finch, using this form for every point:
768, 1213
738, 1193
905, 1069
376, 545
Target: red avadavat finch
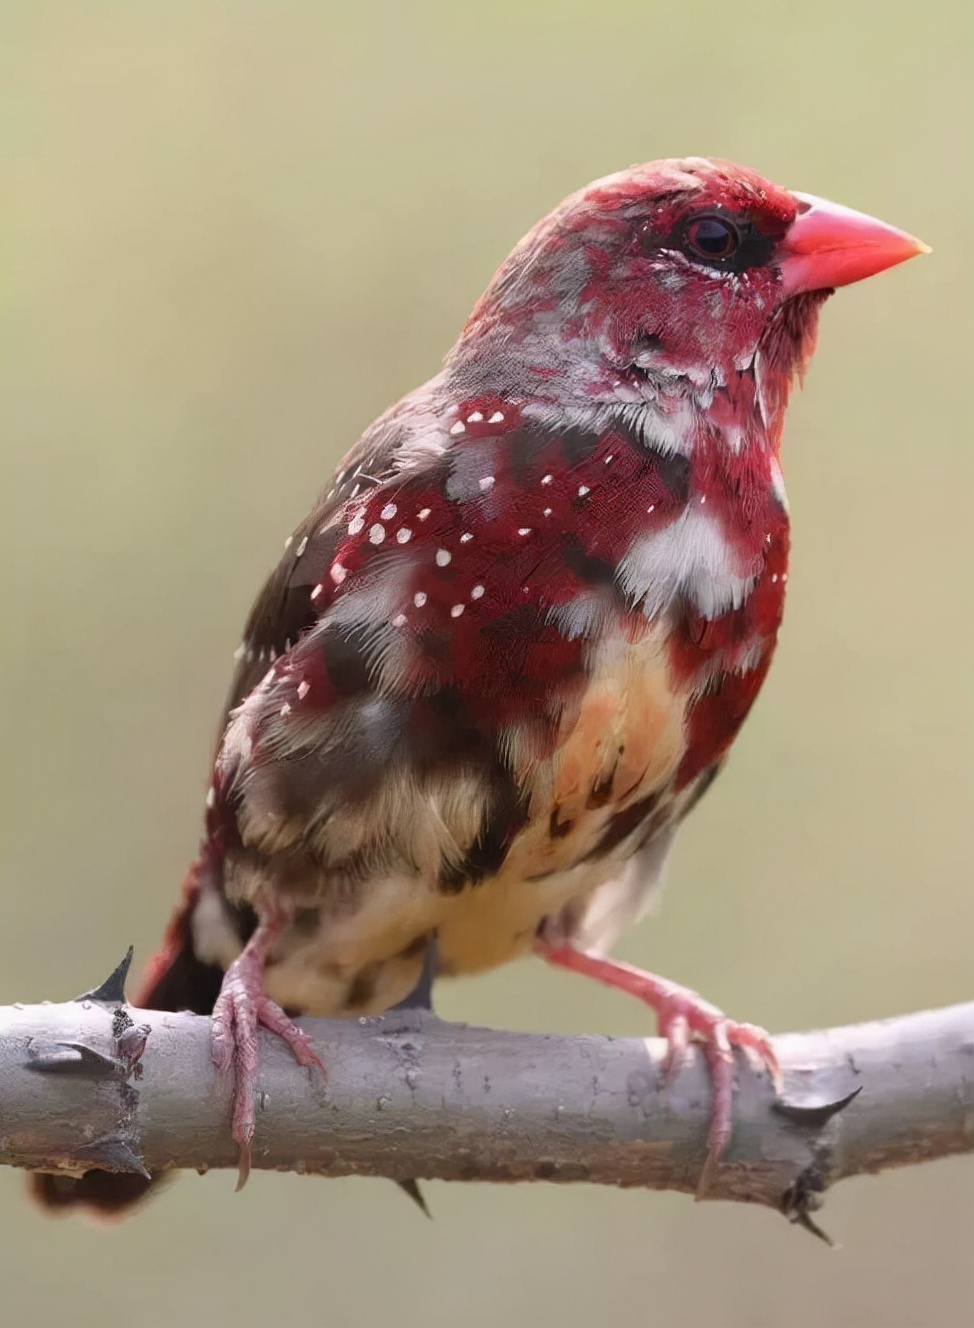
510, 646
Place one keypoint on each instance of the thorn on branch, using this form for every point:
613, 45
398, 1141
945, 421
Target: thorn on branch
73, 1058
112, 1153
112, 990
411, 1187
817, 1115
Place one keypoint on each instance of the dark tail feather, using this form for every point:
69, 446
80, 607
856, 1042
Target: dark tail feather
174, 979
105, 1193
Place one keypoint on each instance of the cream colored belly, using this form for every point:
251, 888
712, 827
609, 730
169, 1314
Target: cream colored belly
621, 745
364, 965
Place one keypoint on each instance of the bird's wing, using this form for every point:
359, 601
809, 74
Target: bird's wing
283, 609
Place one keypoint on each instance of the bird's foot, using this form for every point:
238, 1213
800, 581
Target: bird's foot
240, 1010
683, 1017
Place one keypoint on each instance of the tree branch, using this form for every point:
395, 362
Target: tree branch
96, 1083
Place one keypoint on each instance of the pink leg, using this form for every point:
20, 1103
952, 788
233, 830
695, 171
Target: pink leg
241, 1008
682, 1016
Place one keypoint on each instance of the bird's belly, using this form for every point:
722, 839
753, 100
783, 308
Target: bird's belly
588, 803
366, 964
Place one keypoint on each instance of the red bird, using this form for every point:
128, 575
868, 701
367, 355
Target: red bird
509, 648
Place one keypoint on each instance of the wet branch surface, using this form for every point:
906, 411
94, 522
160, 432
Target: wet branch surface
94, 1082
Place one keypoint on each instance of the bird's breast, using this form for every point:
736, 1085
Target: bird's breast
601, 789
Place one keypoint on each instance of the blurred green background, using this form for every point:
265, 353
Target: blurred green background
233, 234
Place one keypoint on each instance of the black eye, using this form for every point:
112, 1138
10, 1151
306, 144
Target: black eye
712, 238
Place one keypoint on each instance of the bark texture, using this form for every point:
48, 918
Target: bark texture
94, 1082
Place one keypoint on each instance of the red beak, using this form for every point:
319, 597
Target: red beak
829, 245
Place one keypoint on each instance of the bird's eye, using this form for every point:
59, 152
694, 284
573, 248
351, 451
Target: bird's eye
712, 238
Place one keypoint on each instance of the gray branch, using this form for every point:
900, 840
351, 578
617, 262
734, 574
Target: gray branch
96, 1083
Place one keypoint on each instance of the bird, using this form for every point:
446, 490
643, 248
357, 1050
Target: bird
509, 648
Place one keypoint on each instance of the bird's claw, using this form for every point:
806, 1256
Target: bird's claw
240, 1010
684, 1016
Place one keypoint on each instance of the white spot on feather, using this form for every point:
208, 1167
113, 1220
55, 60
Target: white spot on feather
404, 535
419, 599
670, 280
456, 611
443, 557
304, 688
377, 534
587, 615
778, 485
691, 557
388, 512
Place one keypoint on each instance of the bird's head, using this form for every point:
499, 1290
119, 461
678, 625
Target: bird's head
670, 279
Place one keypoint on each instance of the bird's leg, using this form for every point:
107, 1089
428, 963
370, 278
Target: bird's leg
240, 1010
682, 1016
